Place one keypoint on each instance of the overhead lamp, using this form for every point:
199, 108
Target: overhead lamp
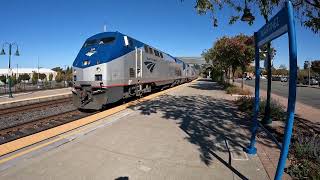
247, 15
17, 52
2, 52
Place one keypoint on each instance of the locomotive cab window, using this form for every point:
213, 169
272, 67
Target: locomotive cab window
161, 55
98, 77
107, 40
90, 43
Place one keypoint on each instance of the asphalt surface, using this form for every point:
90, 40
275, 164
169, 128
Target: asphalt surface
306, 95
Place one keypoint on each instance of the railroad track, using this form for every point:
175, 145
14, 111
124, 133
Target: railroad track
21, 121
24, 129
32, 106
21, 128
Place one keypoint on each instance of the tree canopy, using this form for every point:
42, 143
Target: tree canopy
307, 11
234, 52
315, 66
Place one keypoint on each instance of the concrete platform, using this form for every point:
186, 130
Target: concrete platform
192, 132
21, 99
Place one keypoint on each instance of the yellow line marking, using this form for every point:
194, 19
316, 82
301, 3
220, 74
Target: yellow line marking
43, 135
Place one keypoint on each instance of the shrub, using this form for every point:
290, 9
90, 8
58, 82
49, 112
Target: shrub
59, 77
24, 77
50, 77
277, 111
237, 90
306, 157
3, 79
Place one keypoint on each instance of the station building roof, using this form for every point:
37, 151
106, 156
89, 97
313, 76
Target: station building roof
193, 60
27, 70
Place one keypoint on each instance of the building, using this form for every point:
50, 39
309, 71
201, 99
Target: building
193, 60
29, 71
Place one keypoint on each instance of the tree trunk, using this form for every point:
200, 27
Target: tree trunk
242, 82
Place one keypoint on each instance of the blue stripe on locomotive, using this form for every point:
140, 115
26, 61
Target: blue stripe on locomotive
105, 53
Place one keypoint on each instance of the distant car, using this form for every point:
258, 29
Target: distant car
284, 79
276, 78
312, 81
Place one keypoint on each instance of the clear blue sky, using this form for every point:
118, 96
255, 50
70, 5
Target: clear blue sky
55, 30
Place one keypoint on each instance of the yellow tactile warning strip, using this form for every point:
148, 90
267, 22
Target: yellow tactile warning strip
38, 137
35, 98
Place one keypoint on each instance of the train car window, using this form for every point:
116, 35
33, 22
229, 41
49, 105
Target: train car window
156, 53
90, 42
150, 50
107, 40
98, 77
146, 48
161, 55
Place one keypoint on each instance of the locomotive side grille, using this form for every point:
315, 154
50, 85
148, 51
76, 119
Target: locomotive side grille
131, 72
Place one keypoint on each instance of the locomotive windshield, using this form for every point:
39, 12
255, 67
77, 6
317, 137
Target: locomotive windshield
104, 41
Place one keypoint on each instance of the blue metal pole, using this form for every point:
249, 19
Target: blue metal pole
251, 149
267, 118
292, 92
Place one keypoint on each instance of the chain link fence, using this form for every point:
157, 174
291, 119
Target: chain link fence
26, 87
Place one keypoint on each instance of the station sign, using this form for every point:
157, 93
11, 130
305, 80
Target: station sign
277, 26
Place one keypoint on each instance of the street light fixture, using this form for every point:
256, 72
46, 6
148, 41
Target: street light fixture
9, 64
247, 15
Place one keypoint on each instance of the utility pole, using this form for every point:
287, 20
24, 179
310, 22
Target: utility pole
38, 74
309, 66
17, 73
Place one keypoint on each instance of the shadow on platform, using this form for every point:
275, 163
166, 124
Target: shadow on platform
207, 121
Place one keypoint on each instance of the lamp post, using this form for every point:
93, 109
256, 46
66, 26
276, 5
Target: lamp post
9, 64
247, 16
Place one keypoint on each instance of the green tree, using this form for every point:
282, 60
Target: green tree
3, 79
14, 80
68, 74
315, 66
42, 76
50, 77
24, 77
59, 77
307, 11
34, 78
36, 75
235, 52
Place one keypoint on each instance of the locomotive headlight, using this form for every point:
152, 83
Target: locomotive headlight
98, 69
74, 71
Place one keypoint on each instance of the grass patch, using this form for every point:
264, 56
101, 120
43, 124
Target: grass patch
232, 89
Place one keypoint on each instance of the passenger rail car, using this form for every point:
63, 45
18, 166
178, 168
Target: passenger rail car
112, 66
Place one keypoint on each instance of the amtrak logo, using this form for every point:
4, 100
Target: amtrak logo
150, 65
91, 52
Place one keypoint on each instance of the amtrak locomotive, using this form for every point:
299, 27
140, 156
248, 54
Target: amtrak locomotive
112, 66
